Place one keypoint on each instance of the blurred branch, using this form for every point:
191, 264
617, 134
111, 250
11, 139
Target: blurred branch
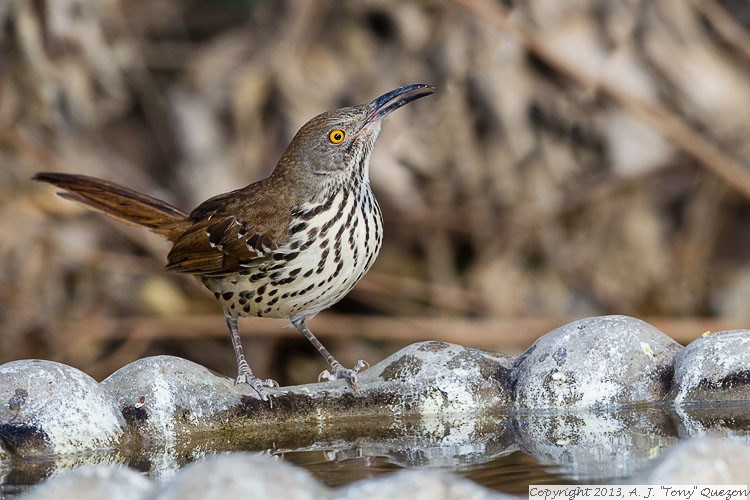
666, 123
512, 334
725, 25
443, 297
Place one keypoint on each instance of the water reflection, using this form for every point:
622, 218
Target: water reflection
596, 446
732, 421
505, 452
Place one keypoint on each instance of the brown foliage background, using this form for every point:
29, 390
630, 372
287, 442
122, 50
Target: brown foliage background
580, 158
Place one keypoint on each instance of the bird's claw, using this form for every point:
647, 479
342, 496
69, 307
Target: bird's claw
339, 372
258, 384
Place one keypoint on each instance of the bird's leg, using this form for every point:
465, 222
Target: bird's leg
337, 370
244, 373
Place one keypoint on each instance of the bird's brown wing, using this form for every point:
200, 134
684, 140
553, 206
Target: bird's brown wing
231, 233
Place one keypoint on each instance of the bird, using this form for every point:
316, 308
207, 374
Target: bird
286, 246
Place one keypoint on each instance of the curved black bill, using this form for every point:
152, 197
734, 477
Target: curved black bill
391, 101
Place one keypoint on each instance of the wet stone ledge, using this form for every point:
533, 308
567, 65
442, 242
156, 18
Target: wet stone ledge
168, 398
564, 401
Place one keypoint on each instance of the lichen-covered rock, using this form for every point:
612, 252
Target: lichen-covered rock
165, 397
242, 475
713, 368
594, 445
595, 362
4, 455
52, 408
418, 485
437, 378
95, 482
700, 461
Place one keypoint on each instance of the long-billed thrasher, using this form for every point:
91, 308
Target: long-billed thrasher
287, 246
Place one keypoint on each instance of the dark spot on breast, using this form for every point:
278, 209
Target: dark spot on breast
324, 229
300, 226
340, 232
227, 295
279, 265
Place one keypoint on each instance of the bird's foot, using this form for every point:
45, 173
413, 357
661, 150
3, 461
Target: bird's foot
247, 377
338, 372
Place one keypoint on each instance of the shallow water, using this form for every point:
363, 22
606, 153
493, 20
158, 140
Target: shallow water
511, 473
506, 453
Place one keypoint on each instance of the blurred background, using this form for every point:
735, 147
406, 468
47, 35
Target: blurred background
580, 158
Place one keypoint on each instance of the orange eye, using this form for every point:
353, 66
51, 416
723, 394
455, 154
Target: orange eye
336, 136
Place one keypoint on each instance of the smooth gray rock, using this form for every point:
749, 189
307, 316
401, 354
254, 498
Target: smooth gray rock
165, 397
596, 446
242, 475
700, 461
600, 362
52, 408
95, 482
418, 485
713, 368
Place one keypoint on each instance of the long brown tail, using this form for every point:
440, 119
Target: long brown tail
120, 203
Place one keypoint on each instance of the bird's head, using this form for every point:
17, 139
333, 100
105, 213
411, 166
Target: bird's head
338, 144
